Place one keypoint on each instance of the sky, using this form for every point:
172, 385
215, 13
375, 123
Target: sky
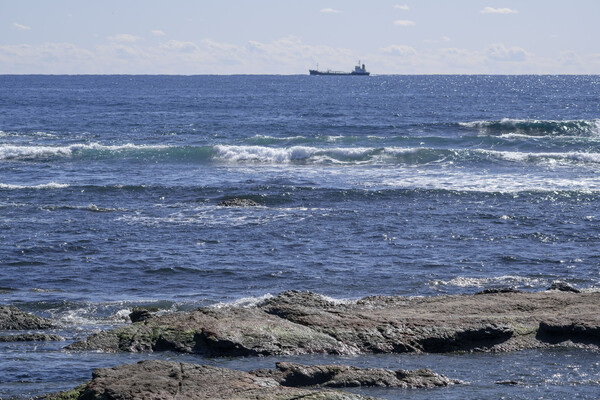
290, 36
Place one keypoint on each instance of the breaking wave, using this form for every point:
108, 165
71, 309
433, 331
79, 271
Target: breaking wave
498, 281
533, 127
92, 150
296, 155
50, 185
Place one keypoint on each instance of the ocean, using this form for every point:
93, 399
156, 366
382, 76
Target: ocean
394, 185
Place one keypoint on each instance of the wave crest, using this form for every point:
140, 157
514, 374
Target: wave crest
293, 155
534, 127
50, 185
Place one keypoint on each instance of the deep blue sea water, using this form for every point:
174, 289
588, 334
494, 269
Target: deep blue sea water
395, 185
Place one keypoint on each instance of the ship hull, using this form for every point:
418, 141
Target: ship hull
315, 72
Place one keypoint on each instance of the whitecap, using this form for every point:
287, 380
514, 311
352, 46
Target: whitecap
50, 185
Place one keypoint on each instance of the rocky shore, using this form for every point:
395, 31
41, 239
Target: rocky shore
11, 318
304, 323
147, 380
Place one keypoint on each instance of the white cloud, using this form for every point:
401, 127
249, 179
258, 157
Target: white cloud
569, 58
458, 59
499, 52
179, 46
55, 57
330, 11
287, 55
442, 40
404, 7
21, 27
399, 50
492, 10
124, 38
404, 22
157, 32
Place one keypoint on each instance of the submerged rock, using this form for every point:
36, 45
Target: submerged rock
238, 202
11, 318
511, 382
303, 322
147, 380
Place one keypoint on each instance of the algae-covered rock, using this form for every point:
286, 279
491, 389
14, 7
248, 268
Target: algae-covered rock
73, 394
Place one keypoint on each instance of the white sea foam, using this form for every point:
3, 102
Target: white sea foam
26, 134
505, 280
279, 138
316, 155
8, 152
338, 301
249, 302
508, 122
262, 153
50, 185
571, 156
123, 314
569, 127
245, 302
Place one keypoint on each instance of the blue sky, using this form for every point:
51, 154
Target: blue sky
288, 37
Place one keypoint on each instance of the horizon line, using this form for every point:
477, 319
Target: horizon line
259, 74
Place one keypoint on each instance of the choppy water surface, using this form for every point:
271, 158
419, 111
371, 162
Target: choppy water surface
398, 185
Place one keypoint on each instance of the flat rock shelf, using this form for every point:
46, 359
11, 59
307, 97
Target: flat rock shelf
307, 323
173, 380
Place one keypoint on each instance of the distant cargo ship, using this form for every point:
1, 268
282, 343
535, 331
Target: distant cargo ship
358, 70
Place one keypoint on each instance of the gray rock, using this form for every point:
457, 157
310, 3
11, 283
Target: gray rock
500, 290
304, 323
31, 337
508, 382
337, 376
139, 314
238, 202
216, 332
567, 330
154, 380
563, 287
11, 318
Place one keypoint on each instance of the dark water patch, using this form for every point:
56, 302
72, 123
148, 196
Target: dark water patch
30, 263
167, 271
89, 207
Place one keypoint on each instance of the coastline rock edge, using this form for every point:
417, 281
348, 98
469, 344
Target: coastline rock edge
172, 380
306, 323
